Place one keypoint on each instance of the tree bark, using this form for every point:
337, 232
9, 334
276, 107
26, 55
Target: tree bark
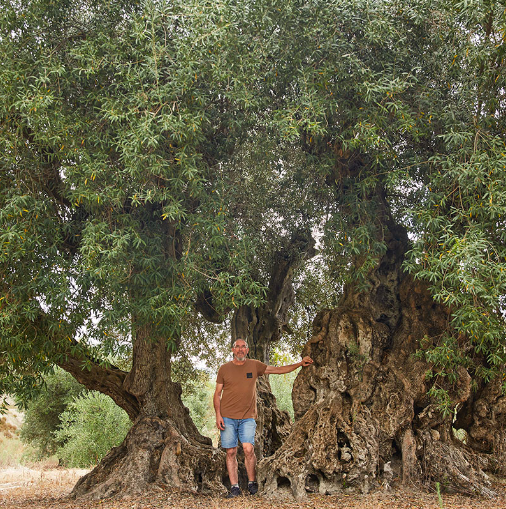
362, 412
107, 380
481, 423
163, 447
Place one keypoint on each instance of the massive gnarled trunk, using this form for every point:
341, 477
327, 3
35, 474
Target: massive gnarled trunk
362, 411
163, 446
482, 419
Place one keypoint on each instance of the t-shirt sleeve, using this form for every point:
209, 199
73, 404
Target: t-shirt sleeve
219, 377
261, 367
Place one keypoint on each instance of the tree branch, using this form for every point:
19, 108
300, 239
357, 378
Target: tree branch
108, 381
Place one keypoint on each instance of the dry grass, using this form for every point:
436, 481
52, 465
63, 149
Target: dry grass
24, 488
11, 449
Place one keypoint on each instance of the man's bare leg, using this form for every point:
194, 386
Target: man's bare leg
232, 465
250, 461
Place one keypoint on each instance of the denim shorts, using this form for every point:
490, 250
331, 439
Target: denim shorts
244, 429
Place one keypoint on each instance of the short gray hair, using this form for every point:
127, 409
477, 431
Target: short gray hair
239, 339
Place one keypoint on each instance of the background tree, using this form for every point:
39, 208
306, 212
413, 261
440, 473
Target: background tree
76, 425
42, 416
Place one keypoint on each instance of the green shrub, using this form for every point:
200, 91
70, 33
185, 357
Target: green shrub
282, 385
90, 427
198, 398
42, 415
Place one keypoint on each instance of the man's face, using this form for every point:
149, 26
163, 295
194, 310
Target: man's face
240, 350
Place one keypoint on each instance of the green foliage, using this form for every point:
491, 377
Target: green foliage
439, 496
281, 386
120, 114
458, 220
316, 287
42, 415
90, 427
197, 401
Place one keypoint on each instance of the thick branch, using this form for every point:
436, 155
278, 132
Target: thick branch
108, 381
204, 305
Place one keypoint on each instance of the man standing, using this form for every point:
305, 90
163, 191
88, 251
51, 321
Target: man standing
235, 405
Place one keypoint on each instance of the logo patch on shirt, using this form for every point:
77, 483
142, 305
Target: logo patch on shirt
249, 375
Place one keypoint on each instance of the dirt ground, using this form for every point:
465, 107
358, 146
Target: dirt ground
24, 488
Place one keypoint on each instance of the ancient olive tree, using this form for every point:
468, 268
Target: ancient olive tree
162, 158
114, 218
406, 119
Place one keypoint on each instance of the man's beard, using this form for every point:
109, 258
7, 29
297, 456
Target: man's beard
240, 359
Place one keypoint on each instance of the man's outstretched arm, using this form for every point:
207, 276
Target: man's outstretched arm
281, 370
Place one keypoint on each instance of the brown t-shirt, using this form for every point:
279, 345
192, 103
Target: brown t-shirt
239, 397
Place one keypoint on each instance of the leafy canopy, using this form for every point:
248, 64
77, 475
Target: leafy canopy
112, 213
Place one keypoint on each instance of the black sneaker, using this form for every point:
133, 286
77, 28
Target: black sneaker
252, 487
235, 491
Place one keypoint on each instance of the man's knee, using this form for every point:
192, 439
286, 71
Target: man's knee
249, 450
231, 452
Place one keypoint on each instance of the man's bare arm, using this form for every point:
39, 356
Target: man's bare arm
281, 370
217, 406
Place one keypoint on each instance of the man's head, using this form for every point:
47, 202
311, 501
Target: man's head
240, 350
